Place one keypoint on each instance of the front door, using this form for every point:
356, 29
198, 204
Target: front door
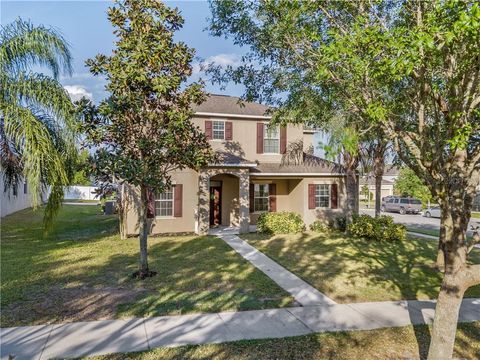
215, 205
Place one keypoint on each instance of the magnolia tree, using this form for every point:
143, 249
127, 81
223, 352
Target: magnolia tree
406, 70
145, 125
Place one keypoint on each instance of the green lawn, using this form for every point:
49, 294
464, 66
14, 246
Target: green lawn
357, 270
432, 232
394, 343
476, 215
81, 271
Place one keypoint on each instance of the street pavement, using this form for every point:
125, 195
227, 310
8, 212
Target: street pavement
417, 221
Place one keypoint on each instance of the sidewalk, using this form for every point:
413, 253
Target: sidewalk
113, 336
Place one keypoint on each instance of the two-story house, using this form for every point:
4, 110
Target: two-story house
251, 176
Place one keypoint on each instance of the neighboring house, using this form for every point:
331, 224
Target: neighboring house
391, 173
388, 181
15, 199
386, 189
252, 175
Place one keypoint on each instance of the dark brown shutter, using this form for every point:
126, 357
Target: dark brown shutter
260, 129
228, 130
177, 200
252, 198
272, 192
208, 130
334, 196
151, 204
311, 196
283, 139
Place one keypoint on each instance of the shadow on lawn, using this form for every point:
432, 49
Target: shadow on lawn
82, 272
202, 274
389, 343
404, 267
409, 269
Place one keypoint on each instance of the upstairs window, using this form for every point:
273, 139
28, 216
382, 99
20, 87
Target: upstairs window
271, 139
322, 196
261, 196
164, 204
218, 130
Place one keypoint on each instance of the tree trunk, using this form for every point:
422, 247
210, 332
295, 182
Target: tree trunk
122, 212
378, 194
458, 277
446, 318
379, 169
351, 184
143, 232
446, 225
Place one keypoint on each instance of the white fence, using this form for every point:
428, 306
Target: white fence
80, 193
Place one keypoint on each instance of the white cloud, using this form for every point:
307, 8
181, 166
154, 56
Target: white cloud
222, 60
77, 76
77, 92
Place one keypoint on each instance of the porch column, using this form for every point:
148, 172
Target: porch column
244, 197
203, 203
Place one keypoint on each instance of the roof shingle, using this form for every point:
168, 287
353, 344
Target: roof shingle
224, 104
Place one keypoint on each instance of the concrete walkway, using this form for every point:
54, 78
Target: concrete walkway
303, 293
425, 236
430, 237
116, 336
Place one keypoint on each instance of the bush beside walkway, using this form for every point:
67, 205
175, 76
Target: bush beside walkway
358, 270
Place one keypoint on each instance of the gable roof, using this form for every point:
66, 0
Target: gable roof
311, 165
224, 104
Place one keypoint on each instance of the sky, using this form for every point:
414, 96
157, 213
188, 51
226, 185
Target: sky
85, 26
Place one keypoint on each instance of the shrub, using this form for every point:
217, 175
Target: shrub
381, 228
319, 226
280, 223
337, 223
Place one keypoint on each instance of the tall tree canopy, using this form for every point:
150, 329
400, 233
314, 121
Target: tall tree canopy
407, 69
409, 184
37, 126
145, 126
299, 61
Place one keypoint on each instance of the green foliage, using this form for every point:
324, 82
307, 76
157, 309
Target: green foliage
377, 229
83, 168
280, 223
409, 184
145, 126
37, 126
320, 226
338, 223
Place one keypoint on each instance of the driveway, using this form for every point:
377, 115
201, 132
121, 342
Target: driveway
416, 221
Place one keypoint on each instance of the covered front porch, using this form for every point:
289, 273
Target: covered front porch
223, 200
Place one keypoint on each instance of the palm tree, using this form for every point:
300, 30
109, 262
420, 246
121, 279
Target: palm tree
37, 125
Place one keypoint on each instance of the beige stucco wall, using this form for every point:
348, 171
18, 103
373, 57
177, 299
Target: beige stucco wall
186, 223
310, 215
244, 141
292, 195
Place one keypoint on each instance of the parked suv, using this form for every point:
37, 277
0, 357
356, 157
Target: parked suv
402, 205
